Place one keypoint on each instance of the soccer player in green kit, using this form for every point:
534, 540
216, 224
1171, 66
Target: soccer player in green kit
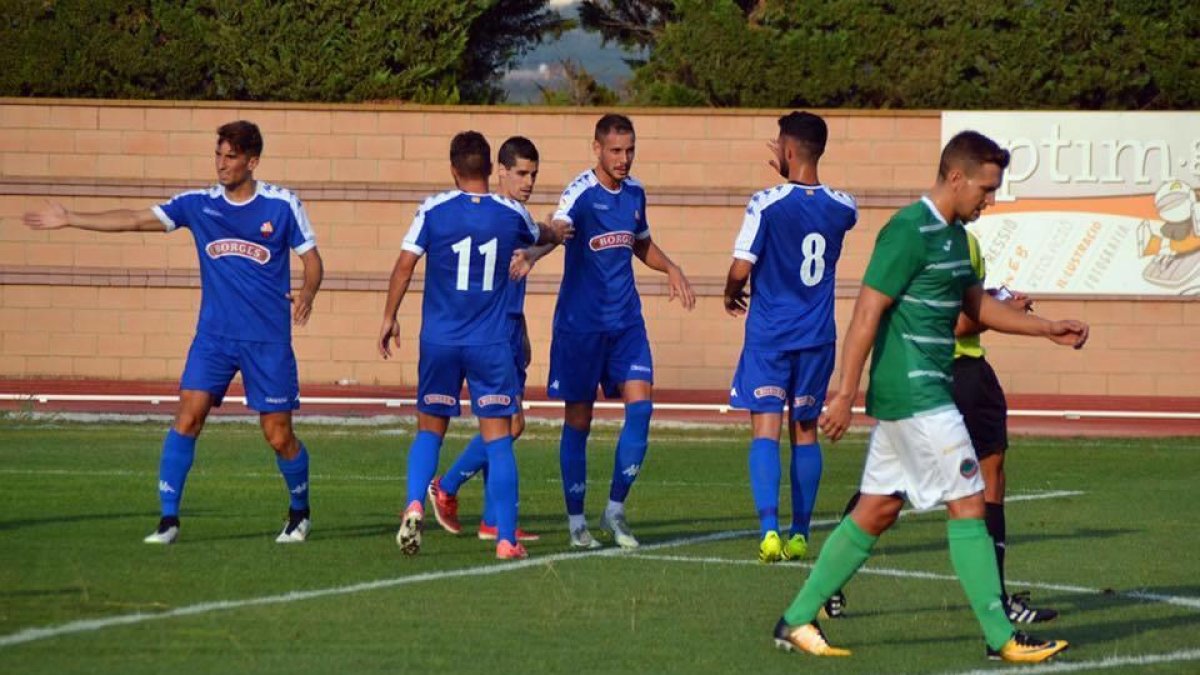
918, 280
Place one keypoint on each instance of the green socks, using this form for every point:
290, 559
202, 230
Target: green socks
847, 548
974, 560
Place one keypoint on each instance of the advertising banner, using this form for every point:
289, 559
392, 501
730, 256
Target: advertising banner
1093, 203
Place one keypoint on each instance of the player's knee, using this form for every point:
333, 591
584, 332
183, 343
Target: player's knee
518, 426
188, 423
283, 442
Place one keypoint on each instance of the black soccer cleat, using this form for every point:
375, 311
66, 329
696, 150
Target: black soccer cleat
1018, 610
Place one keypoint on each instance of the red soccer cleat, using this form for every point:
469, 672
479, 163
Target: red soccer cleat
489, 533
445, 507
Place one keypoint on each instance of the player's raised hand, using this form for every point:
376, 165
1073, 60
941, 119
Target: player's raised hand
776, 160
678, 286
1069, 333
388, 332
52, 216
735, 305
521, 264
836, 418
302, 301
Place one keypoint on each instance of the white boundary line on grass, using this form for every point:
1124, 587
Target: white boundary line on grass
35, 634
1110, 662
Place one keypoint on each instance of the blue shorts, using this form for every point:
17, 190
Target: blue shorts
522, 351
268, 371
581, 361
488, 370
767, 379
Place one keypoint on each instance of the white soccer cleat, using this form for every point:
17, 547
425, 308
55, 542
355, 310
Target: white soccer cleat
581, 538
408, 538
296, 529
167, 532
619, 528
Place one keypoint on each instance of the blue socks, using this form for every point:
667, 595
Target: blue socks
764, 483
807, 464
178, 451
631, 448
471, 460
572, 460
295, 474
502, 489
422, 464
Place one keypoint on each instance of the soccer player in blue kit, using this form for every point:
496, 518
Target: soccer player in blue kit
243, 229
468, 236
518, 158
788, 249
599, 333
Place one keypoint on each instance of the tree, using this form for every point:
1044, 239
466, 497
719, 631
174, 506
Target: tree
430, 51
1102, 54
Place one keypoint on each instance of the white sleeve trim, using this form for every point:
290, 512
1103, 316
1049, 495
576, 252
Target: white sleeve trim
305, 247
644, 234
745, 255
163, 218
412, 248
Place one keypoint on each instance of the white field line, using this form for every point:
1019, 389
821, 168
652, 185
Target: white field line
34, 634
1110, 662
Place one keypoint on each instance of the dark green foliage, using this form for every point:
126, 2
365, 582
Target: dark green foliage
298, 50
1106, 54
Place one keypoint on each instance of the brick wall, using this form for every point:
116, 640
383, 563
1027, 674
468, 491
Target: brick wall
77, 304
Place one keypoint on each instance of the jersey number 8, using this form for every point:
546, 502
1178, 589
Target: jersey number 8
812, 267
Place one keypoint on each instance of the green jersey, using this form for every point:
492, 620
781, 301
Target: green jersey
923, 264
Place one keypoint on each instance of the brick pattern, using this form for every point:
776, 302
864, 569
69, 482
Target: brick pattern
78, 305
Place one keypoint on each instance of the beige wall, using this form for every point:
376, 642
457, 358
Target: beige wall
76, 304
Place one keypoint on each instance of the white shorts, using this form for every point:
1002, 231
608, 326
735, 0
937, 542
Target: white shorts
928, 459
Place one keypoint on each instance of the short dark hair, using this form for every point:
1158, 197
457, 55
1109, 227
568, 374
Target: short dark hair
517, 147
613, 123
808, 130
242, 136
470, 155
971, 149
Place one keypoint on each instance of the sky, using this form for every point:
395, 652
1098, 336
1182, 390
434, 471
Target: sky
540, 66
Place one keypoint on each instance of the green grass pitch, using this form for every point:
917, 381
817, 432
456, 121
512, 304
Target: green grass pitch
1103, 530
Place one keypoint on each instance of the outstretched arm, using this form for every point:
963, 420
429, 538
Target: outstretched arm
991, 313
864, 324
966, 326
302, 300
55, 216
654, 258
524, 259
402, 273
735, 287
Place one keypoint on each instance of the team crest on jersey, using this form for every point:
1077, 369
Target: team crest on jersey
493, 399
240, 248
266, 229
439, 399
601, 242
968, 468
770, 392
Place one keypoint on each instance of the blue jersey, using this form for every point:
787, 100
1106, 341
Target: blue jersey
516, 298
597, 292
245, 270
793, 234
468, 240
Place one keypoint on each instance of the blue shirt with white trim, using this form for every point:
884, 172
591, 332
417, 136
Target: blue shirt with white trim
598, 293
245, 270
468, 240
792, 234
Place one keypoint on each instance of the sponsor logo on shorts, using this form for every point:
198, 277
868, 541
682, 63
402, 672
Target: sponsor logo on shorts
493, 399
439, 399
277, 399
804, 400
770, 392
601, 242
968, 468
641, 369
240, 248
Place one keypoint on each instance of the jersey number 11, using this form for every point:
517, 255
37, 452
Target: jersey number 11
488, 251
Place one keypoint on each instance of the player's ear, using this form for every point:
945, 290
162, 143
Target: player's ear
596, 147
252, 164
